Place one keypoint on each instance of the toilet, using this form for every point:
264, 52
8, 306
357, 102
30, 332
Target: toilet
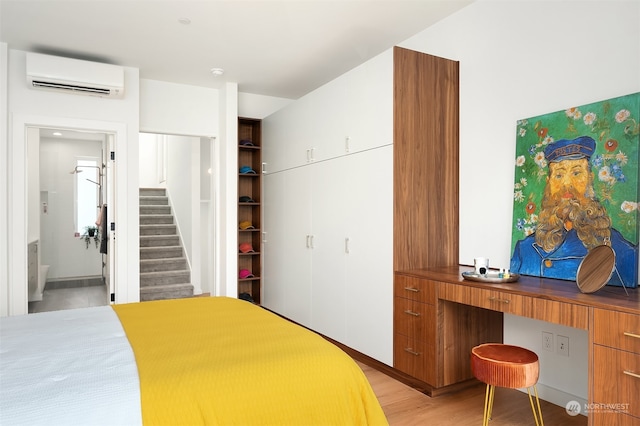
37, 277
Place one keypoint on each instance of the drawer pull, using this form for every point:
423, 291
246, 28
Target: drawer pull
410, 312
411, 351
629, 373
495, 299
415, 290
637, 336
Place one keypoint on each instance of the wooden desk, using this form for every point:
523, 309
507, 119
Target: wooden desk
439, 317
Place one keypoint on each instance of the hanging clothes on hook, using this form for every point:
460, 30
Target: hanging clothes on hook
102, 224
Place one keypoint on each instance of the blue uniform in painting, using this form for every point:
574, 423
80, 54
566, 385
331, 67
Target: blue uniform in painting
563, 262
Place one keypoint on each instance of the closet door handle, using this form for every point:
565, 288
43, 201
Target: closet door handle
264, 237
410, 312
311, 240
312, 151
346, 143
346, 245
308, 155
264, 167
308, 241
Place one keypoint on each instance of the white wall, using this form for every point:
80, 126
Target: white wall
28, 107
184, 191
225, 198
519, 59
148, 171
178, 109
259, 106
152, 106
4, 202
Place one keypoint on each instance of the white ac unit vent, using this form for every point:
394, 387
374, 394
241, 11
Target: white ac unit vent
74, 76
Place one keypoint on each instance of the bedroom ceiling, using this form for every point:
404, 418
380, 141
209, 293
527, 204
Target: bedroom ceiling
275, 48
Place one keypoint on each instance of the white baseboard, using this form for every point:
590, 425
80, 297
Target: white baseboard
558, 397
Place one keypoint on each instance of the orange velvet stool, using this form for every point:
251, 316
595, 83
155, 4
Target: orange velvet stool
506, 366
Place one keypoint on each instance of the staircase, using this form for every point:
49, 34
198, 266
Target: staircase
164, 272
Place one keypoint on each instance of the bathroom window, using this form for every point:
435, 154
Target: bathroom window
87, 173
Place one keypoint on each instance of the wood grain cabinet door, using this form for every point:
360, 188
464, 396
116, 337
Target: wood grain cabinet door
415, 358
616, 329
617, 375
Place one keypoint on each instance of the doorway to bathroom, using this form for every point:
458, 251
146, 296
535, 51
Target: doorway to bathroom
68, 245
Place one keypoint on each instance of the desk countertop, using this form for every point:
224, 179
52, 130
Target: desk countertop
608, 297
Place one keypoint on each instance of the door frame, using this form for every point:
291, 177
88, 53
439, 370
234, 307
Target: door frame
17, 210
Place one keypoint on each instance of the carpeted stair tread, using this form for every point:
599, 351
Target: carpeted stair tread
160, 252
164, 270
170, 291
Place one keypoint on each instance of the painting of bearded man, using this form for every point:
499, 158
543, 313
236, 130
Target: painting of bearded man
572, 220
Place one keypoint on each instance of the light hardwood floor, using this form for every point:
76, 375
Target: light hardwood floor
406, 406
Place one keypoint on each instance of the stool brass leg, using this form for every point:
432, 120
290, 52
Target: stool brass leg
535, 389
485, 413
536, 414
491, 396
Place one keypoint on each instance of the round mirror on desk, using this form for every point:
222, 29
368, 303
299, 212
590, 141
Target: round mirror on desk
596, 269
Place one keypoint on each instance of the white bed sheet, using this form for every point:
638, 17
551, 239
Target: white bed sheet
72, 367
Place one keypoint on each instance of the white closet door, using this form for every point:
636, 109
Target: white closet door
370, 103
369, 279
296, 218
274, 270
298, 133
328, 135
287, 133
275, 133
329, 188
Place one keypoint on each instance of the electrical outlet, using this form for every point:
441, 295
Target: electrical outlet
563, 345
547, 341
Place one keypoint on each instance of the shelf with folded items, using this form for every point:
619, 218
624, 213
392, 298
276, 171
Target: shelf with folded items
249, 209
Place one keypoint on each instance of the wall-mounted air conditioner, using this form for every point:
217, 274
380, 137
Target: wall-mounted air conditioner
74, 76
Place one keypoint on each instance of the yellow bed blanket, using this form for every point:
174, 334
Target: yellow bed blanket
224, 361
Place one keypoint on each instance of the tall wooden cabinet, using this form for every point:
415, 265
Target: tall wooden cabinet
249, 209
425, 225
426, 151
354, 189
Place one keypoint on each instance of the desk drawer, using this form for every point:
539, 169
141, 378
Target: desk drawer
414, 319
569, 314
613, 419
413, 288
617, 330
616, 378
488, 299
415, 358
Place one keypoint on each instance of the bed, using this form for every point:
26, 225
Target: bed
208, 360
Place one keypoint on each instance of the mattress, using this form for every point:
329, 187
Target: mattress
189, 361
72, 367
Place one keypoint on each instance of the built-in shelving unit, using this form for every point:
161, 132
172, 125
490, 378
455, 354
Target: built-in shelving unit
249, 209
